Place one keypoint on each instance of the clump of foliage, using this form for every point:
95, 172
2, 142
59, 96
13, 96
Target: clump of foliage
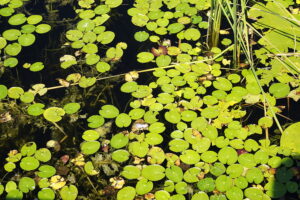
184, 134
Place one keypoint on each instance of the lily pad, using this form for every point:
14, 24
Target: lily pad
54, 114
26, 184
90, 147
71, 108
43, 154
42, 28
290, 138
3, 91
119, 141
46, 194
126, 193
46, 171
17, 19
123, 120
153, 172
29, 163
69, 192
109, 111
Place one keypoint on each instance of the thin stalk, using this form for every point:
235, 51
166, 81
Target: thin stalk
61, 130
150, 70
235, 36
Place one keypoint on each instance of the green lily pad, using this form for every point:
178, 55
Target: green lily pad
175, 28
27, 97
136, 113
46, 171
290, 138
120, 155
37, 66
74, 35
139, 149
85, 82
123, 120
126, 193
163, 60
106, 37
131, 172
13, 49
109, 111
34, 19
173, 116
141, 36
54, 114
26, 184
178, 145
15, 92
10, 35
143, 186
43, 154
92, 59
210, 112
190, 157
36, 109
71, 108
206, 184
90, 147
6, 11
9, 167
174, 173
29, 163
129, 87
42, 28
113, 4
102, 67
85, 25
17, 19
27, 28
142, 91
119, 141
11, 62
14, 194
153, 172
90, 135
95, 121
3, 91
200, 195
145, 57
192, 34
46, 194
69, 192
222, 84
227, 155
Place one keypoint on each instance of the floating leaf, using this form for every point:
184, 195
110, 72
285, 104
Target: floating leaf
42, 28
3, 91
54, 114
126, 193
46, 194
29, 163
90, 147
43, 154
17, 19
69, 192
279, 90
71, 108
153, 172
119, 140
46, 171
141, 36
36, 109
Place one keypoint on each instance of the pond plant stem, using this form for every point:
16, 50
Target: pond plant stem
61, 130
151, 69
